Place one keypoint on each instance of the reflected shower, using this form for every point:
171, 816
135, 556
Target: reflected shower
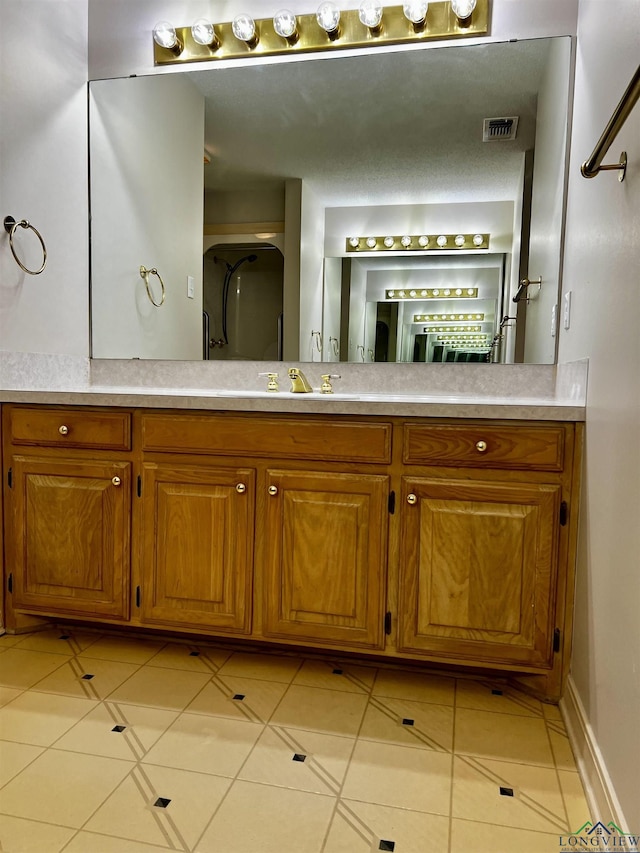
225, 287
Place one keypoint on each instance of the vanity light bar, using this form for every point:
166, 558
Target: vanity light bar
419, 243
177, 45
445, 318
454, 339
432, 293
431, 329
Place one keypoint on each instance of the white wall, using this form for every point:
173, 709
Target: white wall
311, 273
547, 203
601, 268
43, 142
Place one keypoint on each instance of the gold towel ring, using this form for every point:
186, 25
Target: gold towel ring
145, 273
10, 226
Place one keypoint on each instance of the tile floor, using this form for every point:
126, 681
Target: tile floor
112, 745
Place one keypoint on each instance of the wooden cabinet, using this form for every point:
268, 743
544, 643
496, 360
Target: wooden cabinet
325, 557
197, 546
479, 567
68, 536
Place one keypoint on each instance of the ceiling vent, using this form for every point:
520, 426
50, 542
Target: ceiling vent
499, 129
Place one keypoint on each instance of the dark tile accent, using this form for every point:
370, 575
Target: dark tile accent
337, 672
239, 696
194, 654
162, 802
506, 792
64, 637
118, 728
87, 676
407, 722
298, 757
387, 845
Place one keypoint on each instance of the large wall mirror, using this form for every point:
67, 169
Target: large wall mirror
237, 189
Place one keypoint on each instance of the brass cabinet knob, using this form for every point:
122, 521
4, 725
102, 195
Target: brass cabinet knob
63, 430
116, 481
273, 490
481, 446
241, 488
412, 499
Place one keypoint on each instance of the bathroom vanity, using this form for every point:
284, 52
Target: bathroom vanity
361, 529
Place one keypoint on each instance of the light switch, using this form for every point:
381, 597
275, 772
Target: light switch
566, 311
191, 291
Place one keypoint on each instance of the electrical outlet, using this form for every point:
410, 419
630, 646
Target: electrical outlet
191, 291
554, 320
566, 313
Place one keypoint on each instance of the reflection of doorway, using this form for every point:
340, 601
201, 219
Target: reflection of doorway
242, 297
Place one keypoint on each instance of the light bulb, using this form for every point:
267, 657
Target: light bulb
401, 294
458, 291
478, 240
164, 35
370, 13
423, 293
244, 28
354, 242
423, 241
447, 292
470, 291
202, 32
285, 24
412, 294
459, 241
415, 11
441, 241
406, 241
371, 242
391, 294
328, 16
463, 8
389, 241
436, 292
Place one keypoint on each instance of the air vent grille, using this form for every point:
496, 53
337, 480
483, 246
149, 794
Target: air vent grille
499, 129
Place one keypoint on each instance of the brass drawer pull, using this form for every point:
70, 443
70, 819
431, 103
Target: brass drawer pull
273, 490
241, 488
63, 430
481, 446
116, 481
412, 499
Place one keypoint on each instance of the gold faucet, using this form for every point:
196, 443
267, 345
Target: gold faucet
299, 382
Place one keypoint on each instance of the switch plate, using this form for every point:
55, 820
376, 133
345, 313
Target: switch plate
554, 320
566, 310
191, 291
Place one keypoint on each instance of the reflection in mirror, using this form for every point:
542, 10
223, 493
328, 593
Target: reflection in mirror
305, 153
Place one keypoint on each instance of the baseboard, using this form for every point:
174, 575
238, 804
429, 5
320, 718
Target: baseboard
599, 791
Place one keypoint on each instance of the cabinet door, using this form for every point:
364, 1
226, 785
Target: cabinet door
325, 557
197, 546
70, 536
478, 570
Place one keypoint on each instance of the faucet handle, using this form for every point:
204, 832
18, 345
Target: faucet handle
272, 384
326, 387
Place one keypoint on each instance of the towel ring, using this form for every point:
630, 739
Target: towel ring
10, 226
145, 273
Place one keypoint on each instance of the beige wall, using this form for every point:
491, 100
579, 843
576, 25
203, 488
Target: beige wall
602, 269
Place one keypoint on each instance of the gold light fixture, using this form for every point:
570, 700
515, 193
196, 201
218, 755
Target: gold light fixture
445, 318
419, 243
451, 329
405, 293
328, 29
454, 339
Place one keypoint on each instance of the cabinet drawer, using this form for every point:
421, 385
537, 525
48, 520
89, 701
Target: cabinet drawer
539, 448
268, 437
70, 428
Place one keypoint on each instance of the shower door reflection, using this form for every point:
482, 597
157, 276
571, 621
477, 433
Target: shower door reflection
243, 296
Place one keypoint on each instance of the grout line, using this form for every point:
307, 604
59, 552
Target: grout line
453, 758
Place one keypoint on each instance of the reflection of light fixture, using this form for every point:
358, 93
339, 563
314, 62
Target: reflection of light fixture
286, 25
328, 17
454, 328
203, 32
431, 293
370, 14
367, 26
445, 318
431, 242
463, 337
462, 9
244, 29
164, 35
